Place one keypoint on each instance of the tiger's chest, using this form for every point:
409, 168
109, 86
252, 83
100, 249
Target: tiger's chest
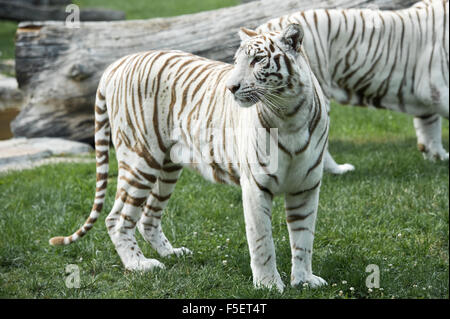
294, 171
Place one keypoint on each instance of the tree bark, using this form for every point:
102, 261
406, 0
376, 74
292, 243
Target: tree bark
55, 10
58, 68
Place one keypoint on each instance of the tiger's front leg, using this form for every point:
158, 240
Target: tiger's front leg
301, 212
257, 213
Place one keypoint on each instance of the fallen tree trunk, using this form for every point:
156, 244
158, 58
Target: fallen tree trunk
26, 10
59, 68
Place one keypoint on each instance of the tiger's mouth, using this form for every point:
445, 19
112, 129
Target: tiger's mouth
245, 102
246, 99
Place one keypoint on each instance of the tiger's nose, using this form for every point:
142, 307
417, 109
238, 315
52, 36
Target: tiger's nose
233, 88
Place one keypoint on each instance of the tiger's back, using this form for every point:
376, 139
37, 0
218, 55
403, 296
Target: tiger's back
162, 98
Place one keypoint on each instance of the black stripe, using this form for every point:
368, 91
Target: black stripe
306, 190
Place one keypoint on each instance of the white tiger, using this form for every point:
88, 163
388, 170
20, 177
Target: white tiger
165, 107
396, 60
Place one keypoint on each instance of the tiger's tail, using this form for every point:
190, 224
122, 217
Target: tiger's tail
102, 138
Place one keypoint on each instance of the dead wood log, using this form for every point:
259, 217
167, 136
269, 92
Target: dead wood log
58, 68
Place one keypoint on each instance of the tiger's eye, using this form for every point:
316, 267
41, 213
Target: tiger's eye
256, 59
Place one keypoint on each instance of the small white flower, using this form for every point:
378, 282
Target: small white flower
334, 285
424, 288
218, 247
429, 287
224, 262
195, 233
352, 289
341, 292
399, 235
390, 265
344, 282
414, 286
305, 285
370, 290
228, 240
381, 289
226, 256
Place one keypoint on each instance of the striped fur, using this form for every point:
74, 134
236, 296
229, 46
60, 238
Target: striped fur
396, 60
170, 109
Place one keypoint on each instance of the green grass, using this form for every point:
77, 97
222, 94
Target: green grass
144, 9
392, 211
7, 34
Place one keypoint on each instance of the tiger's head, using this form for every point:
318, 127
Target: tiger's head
270, 68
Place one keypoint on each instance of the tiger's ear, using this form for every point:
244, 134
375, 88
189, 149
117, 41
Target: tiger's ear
292, 37
246, 34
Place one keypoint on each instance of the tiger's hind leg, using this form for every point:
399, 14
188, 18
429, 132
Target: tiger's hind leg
150, 223
133, 189
429, 137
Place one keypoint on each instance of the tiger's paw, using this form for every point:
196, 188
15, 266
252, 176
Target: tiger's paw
433, 154
178, 252
442, 156
145, 264
270, 282
182, 251
311, 281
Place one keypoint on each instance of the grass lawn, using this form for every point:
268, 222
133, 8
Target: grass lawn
7, 33
144, 9
392, 211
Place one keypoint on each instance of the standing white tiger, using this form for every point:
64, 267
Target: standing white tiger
396, 60
144, 98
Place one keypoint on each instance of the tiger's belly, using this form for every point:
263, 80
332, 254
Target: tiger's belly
286, 175
213, 166
429, 101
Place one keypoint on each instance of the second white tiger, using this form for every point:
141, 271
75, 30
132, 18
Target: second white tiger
396, 60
